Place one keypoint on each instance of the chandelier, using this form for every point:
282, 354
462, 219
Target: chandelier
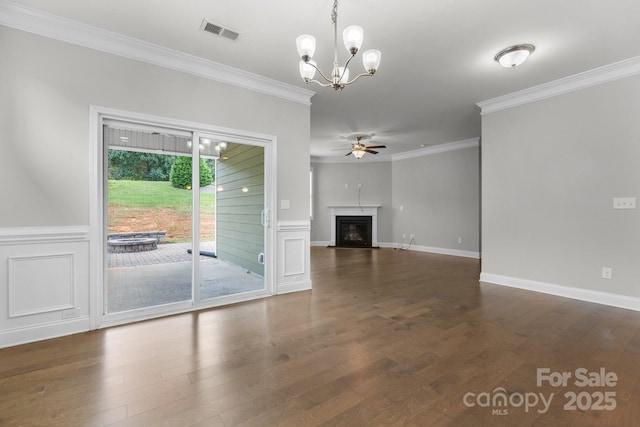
352, 37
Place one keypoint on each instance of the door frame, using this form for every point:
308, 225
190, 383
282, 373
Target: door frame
97, 212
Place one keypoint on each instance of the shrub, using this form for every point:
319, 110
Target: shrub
157, 174
180, 175
137, 166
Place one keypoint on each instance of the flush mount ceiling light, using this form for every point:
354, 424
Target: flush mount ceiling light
352, 37
514, 55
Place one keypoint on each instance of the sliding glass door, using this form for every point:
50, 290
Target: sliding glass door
167, 192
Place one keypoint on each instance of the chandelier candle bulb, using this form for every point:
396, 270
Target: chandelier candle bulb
307, 70
306, 46
352, 37
342, 75
371, 60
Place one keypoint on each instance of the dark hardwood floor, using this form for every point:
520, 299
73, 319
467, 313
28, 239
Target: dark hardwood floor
386, 337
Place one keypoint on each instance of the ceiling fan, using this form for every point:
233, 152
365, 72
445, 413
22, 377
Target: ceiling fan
359, 149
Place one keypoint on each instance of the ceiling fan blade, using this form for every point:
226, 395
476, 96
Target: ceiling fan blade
371, 151
376, 146
348, 154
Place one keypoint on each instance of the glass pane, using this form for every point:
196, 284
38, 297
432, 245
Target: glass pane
149, 219
231, 230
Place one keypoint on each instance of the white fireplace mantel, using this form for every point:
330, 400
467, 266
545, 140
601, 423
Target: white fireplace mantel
355, 210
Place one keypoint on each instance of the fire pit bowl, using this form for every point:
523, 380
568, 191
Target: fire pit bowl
131, 245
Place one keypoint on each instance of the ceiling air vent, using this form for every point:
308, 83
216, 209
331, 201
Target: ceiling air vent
219, 30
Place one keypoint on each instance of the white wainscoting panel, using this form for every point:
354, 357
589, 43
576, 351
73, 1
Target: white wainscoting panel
293, 269
39, 284
44, 278
294, 262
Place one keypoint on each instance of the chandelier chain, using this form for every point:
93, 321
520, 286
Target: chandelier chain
334, 14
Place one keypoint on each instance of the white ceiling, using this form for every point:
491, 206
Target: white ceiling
437, 56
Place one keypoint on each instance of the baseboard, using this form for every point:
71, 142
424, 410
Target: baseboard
387, 245
441, 251
285, 288
13, 337
326, 244
605, 298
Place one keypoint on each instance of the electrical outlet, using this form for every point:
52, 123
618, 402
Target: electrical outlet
413, 236
404, 235
459, 240
624, 203
607, 272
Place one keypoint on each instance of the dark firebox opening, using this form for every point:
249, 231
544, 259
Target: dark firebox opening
353, 231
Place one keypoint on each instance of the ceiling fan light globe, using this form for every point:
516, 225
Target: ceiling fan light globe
307, 70
306, 45
352, 37
371, 60
358, 154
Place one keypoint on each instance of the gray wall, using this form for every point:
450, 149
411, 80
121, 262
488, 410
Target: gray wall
46, 90
47, 87
550, 172
329, 189
239, 230
439, 194
440, 198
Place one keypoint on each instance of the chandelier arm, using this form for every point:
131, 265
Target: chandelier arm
345, 67
319, 83
357, 77
321, 73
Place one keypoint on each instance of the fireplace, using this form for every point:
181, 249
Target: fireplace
370, 211
353, 231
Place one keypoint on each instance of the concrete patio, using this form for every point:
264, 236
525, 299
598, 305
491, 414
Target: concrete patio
162, 276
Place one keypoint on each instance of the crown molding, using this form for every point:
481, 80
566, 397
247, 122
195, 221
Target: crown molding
436, 149
74, 32
618, 70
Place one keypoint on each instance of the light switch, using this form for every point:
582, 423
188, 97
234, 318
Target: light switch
284, 204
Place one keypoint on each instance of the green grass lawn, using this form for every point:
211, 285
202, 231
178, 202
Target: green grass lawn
155, 194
